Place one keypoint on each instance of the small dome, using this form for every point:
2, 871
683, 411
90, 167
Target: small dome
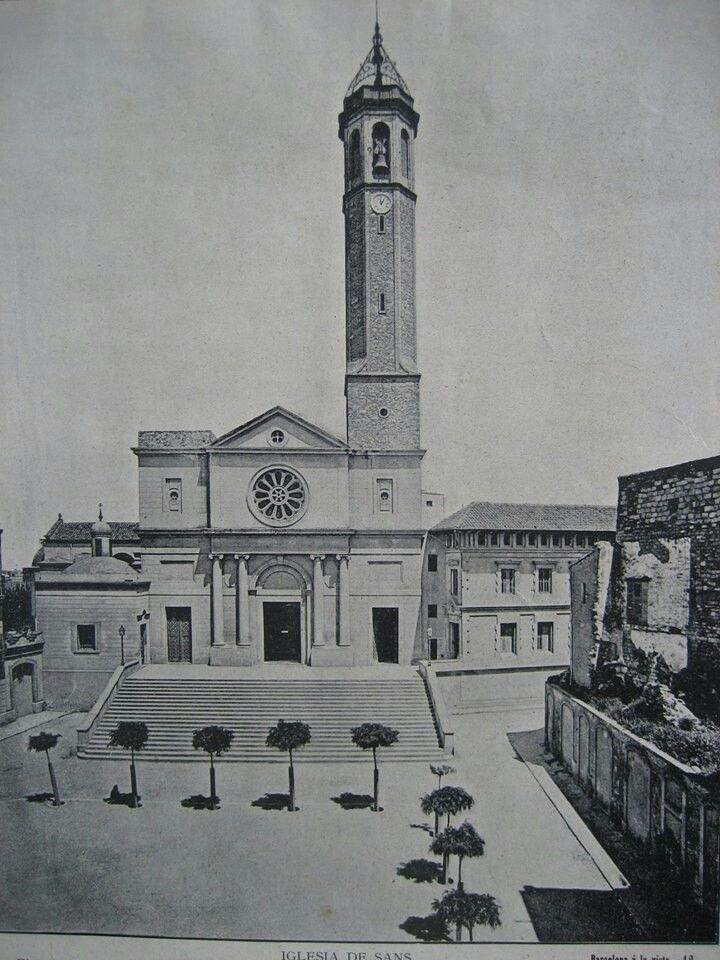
101, 529
102, 568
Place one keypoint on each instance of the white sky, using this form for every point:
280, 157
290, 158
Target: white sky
172, 238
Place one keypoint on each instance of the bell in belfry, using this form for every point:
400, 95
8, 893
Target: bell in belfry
380, 163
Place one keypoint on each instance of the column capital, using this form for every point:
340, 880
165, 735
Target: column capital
317, 556
241, 556
216, 556
342, 556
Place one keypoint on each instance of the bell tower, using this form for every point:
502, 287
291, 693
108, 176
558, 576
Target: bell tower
378, 126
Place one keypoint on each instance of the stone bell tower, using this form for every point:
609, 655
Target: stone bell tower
378, 126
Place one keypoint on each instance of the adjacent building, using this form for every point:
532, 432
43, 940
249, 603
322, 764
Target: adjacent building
496, 595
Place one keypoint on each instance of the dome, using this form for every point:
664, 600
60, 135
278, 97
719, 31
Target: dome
377, 68
101, 528
100, 568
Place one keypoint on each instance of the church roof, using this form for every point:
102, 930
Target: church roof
311, 428
64, 531
485, 515
174, 439
368, 72
100, 568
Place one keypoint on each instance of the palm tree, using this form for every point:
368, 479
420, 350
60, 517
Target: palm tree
441, 770
370, 736
463, 841
213, 740
467, 910
289, 736
445, 801
131, 735
43, 743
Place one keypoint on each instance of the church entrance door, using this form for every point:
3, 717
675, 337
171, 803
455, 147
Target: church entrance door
179, 635
282, 631
385, 634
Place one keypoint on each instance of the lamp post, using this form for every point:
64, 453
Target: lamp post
121, 631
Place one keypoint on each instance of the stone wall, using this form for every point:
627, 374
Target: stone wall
657, 801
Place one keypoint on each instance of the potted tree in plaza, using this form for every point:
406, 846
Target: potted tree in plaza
467, 910
43, 743
214, 740
131, 735
463, 841
289, 735
441, 770
371, 736
445, 802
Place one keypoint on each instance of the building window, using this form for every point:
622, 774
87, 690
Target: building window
405, 146
384, 412
583, 593
519, 539
545, 578
453, 640
277, 438
508, 638
381, 223
432, 611
86, 638
494, 539
569, 540
354, 160
546, 636
507, 581
532, 539
454, 581
507, 539
173, 495
580, 540
432, 563
381, 150
385, 496
637, 602
557, 540
544, 540
482, 539
381, 303
278, 496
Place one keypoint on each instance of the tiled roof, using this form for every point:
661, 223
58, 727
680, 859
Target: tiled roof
174, 439
64, 531
484, 515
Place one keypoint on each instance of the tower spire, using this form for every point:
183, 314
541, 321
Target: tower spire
377, 56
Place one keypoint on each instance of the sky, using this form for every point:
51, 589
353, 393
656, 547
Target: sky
171, 254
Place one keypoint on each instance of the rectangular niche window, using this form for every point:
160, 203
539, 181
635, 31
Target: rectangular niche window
454, 581
637, 602
545, 578
86, 638
493, 539
172, 495
385, 496
546, 636
432, 563
532, 539
508, 638
381, 303
507, 580
432, 611
381, 223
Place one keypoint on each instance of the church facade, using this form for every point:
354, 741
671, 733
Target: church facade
278, 541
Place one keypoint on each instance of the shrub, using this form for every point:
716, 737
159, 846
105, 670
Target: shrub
698, 747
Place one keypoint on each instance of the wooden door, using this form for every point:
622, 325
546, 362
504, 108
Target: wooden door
386, 634
282, 631
179, 635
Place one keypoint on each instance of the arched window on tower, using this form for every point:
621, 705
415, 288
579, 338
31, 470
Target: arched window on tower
405, 145
354, 156
381, 150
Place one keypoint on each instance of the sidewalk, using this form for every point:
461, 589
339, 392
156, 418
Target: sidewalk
16, 727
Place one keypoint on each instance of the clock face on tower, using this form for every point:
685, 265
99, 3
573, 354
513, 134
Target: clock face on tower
380, 203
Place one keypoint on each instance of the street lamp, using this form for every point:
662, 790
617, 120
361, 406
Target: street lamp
121, 631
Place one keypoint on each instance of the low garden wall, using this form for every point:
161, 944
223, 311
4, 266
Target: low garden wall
658, 801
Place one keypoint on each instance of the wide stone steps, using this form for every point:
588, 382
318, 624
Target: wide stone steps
174, 708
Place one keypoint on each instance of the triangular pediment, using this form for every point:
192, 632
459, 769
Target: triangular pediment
297, 434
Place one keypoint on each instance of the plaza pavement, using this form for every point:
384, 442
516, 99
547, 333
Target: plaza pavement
323, 873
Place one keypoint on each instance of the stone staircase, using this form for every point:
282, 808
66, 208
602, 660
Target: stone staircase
174, 707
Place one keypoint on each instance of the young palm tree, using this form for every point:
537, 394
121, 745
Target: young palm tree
463, 841
467, 910
445, 801
131, 735
370, 736
441, 770
44, 743
213, 740
289, 736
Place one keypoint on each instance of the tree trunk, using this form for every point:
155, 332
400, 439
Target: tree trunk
376, 779
443, 878
53, 781
134, 798
471, 928
291, 781
437, 823
459, 880
213, 795
458, 933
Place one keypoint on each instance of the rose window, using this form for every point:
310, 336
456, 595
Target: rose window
278, 496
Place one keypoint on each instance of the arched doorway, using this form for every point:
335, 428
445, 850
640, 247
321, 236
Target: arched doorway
22, 679
282, 592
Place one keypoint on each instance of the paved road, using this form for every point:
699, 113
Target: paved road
322, 873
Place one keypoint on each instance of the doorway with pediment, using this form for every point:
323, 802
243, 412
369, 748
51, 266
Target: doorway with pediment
282, 594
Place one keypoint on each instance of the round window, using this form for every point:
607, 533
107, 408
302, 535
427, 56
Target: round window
384, 412
278, 496
277, 438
